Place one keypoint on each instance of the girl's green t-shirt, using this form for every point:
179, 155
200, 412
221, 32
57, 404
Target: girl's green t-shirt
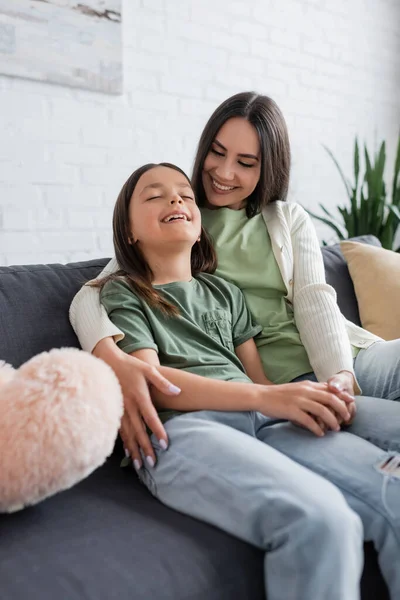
245, 257
213, 320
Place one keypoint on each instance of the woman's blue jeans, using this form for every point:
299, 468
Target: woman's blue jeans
377, 369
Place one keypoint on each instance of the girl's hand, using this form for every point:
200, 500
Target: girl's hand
135, 377
309, 404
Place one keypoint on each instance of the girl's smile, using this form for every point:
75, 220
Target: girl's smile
163, 207
177, 216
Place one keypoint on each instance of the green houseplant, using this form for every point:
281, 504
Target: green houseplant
372, 210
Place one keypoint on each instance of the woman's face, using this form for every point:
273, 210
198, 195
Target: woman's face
163, 210
231, 169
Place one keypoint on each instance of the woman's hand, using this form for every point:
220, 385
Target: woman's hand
342, 384
135, 377
309, 404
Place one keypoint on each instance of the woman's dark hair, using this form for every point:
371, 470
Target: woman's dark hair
265, 116
134, 269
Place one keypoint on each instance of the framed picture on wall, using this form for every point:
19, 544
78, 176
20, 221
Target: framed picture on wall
69, 42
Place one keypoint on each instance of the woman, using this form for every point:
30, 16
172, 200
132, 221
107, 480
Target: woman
270, 250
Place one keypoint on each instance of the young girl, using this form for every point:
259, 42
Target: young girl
269, 248
234, 461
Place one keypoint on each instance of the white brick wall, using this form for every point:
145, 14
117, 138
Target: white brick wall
333, 67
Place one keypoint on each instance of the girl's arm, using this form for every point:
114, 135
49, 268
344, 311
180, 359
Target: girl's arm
248, 355
318, 318
89, 318
292, 401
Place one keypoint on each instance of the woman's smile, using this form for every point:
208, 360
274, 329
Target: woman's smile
220, 188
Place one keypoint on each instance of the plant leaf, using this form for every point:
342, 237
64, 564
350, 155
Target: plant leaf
339, 168
330, 224
395, 211
380, 167
396, 182
326, 211
356, 164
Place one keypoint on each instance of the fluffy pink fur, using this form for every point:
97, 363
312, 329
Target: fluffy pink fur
60, 415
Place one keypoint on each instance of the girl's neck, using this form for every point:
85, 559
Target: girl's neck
170, 267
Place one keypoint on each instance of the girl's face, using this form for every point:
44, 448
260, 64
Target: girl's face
231, 169
163, 210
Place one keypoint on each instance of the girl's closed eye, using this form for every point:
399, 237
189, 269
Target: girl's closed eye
214, 151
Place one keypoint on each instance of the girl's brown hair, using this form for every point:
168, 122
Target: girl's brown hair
134, 268
265, 116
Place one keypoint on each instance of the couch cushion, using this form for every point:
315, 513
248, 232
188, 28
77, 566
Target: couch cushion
338, 276
34, 303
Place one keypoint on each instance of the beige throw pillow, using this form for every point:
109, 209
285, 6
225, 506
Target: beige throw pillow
376, 277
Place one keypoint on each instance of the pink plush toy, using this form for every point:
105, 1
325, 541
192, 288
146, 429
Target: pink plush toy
59, 417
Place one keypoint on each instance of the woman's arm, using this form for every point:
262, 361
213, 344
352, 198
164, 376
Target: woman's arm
97, 334
135, 376
89, 318
292, 401
318, 318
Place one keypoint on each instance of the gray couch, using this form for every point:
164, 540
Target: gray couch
108, 538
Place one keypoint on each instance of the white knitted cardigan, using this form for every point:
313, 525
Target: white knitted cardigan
325, 333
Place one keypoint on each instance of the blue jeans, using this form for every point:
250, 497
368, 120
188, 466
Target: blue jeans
307, 502
377, 369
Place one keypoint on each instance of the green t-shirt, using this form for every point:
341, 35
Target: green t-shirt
213, 320
245, 257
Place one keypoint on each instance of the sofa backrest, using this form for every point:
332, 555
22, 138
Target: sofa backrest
34, 302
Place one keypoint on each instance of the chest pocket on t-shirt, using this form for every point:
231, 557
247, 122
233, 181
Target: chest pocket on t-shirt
218, 325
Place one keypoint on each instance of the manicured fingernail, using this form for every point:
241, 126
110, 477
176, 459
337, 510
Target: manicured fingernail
163, 444
174, 389
150, 461
127, 452
136, 464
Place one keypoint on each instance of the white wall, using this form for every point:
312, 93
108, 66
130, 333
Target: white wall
332, 66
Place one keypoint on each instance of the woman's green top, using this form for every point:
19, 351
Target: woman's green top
245, 257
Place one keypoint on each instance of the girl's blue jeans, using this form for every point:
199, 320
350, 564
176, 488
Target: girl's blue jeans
307, 502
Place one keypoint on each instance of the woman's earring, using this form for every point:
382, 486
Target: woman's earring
199, 238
